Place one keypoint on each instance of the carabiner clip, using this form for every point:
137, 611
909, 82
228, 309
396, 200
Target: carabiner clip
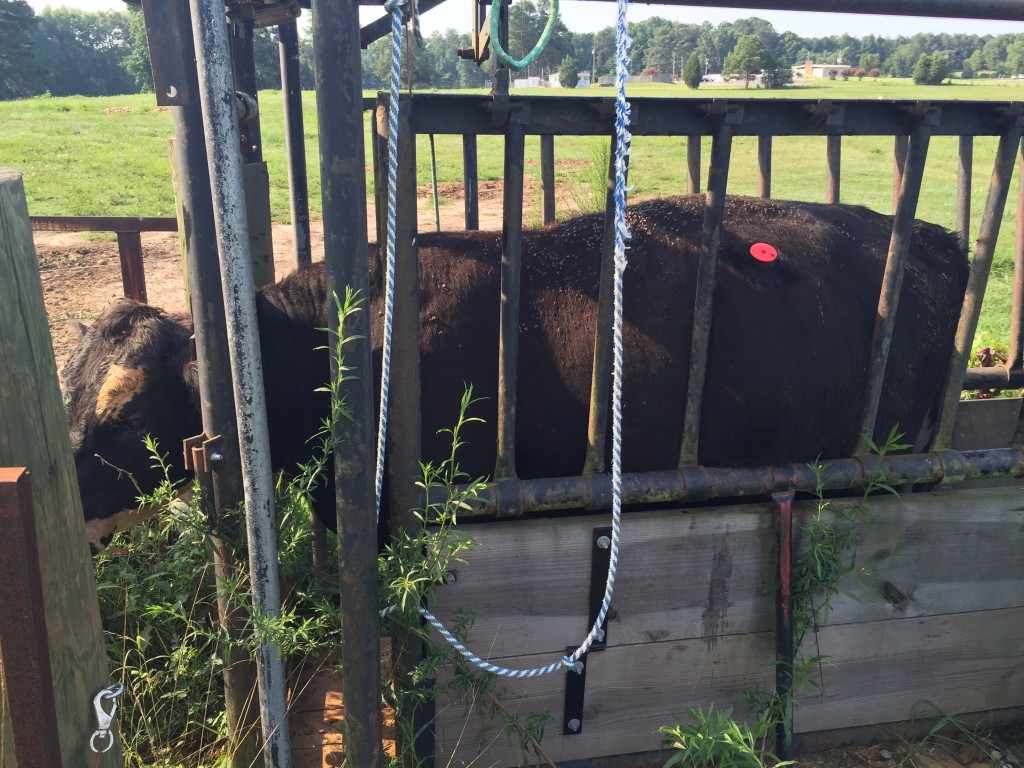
105, 718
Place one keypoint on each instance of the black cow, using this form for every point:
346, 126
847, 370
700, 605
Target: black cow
786, 373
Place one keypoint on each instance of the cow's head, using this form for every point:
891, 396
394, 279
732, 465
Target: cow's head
131, 376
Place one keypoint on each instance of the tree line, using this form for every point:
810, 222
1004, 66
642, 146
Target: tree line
63, 51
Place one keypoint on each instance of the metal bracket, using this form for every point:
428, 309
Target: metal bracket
825, 112
576, 683
169, 33
202, 454
929, 115
730, 113
480, 34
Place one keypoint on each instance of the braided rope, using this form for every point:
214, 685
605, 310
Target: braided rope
622, 235
394, 8
529, 58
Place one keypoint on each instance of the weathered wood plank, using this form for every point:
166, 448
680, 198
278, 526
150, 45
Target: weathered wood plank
630, 692
876, 673
707, 572
33, 434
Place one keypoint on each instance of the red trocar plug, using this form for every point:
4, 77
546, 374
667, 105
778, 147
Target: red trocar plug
763, 252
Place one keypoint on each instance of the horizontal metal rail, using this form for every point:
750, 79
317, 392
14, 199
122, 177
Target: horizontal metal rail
129, 240
1000, 10
461, 114
695, 484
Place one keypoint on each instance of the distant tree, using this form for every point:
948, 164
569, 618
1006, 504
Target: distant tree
975, 62
19, 74
83, 53
691, 71
136, 63
747, 58
931, 69
966, 72
569, 72
776, 74
1015, 56
903, 60
869, 61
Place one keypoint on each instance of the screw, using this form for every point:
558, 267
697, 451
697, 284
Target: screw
604, 542
216, 457
573, 725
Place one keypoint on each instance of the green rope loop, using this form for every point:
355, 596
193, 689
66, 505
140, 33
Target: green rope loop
527, 60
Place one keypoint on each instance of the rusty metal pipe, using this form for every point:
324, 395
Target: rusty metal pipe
1015, 355
714, 209
693, 165
601, 372
511, 262
984, 249
899, 159
470, 193
833, 162
696, 483
892, 279
764, 166
785, 646
964, 174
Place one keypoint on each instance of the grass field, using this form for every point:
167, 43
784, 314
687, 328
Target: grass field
109, 156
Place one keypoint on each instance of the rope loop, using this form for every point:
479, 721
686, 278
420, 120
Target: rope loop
527, 60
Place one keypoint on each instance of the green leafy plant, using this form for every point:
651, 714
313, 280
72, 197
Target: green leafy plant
715, 740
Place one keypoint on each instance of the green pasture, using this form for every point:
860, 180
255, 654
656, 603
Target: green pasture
109, 156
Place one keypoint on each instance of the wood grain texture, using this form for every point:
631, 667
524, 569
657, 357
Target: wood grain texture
938, 618
33, 434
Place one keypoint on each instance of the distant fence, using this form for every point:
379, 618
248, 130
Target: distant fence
129, 231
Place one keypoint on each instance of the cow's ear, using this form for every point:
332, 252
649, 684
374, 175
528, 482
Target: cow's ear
190, 373
78, 329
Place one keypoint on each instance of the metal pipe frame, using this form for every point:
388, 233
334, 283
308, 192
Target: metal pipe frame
547, 176
764, 166
892, 279
222, 143
470, 185
984, 249
784, 640
693, 165
901, 145
340, 108
511, 261
714, 209
833, 163
295, 141
1015, 355
689, 485
964, 175
601, 372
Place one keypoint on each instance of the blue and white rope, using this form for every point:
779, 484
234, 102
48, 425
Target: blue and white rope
622, 235
394, 8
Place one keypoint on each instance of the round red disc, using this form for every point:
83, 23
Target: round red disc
763, 252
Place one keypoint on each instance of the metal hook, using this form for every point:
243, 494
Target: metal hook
104, 718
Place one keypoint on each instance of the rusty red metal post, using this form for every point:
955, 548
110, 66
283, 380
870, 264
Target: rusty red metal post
784, 645
28, 679
764, 166
133, 273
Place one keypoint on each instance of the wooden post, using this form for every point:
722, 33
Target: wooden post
33, 434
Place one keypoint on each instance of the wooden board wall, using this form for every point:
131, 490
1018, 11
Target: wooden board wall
937, 619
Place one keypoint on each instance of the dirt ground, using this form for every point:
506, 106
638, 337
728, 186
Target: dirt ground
81, 275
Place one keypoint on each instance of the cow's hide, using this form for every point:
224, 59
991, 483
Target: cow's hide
790, 342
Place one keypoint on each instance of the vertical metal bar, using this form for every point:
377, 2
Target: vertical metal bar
471, 200
1015, 355
964, 174
295, 141
339, 100
892, 279
222, 141
784, 641
900, 147
764, 166
984, 249
433, 184
243, 66
133, 273
547, 175
714, 210
693, 165
28, 677
511, 257
834, 156
601, 372
501, 78
379, 148
405, 423
217, 401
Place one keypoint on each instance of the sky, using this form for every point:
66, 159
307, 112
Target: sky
590, 16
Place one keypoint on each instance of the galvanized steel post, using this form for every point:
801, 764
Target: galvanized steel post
222, 145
